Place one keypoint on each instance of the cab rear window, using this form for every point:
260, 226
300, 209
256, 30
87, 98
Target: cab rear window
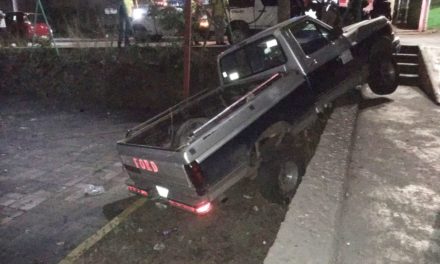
251, 59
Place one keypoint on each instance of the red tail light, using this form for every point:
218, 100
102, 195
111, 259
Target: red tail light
202, 209
137, 191
196, 176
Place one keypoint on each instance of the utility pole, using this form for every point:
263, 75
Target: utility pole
14, 5
187, 49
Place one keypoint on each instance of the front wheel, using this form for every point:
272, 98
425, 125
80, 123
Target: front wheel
383, 75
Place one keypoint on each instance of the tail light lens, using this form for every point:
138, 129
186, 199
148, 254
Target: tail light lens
196, 176
202, 209
137, 191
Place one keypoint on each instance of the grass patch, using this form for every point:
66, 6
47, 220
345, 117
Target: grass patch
434, 15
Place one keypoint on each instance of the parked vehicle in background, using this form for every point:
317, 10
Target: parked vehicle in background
22, 28
176, 3
146, 23
272, 86
2, 27
250, 16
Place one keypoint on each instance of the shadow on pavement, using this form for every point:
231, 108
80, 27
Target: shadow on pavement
373, 102
112, 210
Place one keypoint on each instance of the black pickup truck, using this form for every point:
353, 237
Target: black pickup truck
273, 84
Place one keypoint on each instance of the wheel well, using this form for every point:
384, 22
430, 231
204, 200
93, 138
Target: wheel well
271, 137
239, 24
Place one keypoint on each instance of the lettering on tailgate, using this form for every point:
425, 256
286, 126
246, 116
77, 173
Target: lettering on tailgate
147, 165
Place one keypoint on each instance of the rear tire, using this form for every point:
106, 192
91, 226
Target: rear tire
238, 33
280, 173
383, 75
279, 181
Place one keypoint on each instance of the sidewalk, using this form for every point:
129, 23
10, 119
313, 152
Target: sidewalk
47, 158
391, 212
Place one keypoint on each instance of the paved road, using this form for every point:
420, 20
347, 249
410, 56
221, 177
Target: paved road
48, 156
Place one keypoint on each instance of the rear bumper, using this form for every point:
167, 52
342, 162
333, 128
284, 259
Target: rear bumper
183, 194
200, 208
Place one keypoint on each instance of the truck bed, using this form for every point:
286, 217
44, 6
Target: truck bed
170, 129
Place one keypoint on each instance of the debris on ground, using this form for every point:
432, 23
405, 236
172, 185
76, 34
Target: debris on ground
93, 190
169, 231
161, 206
245, 196
255, 208
61, 243
159, 246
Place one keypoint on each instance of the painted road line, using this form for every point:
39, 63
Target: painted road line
75, 254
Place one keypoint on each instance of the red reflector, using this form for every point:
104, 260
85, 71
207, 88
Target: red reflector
204, 209
137, 191
181, 206
200, 210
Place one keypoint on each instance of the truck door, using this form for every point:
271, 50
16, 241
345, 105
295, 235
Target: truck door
266, 13
326, 57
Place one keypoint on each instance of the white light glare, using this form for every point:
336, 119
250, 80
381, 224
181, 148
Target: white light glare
234, 76
162, 191
138, 13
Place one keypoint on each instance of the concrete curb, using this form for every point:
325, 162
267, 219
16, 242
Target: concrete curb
429, 72
308, 233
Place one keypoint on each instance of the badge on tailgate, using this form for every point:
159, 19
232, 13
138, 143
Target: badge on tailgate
144, 164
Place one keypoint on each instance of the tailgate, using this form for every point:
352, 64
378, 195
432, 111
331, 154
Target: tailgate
149, 166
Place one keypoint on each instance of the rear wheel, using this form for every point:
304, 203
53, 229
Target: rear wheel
279, 180
238, 33
383, 75
280, 173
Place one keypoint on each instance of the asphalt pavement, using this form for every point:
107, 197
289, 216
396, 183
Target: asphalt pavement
49, 158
